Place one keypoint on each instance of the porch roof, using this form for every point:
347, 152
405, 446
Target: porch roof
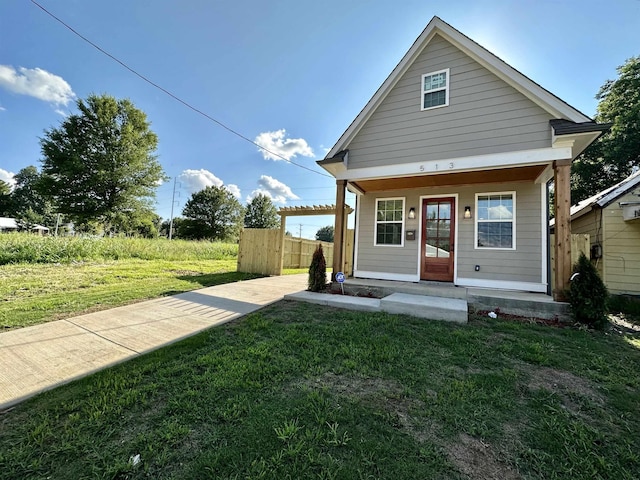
518, 174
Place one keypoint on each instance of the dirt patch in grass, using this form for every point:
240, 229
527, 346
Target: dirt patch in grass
479, 460
472, 457
354, 386
563, 383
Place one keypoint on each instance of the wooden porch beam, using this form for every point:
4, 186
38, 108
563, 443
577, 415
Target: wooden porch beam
562, 244
339, 229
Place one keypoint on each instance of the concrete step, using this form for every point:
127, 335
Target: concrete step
383, 288
433, 308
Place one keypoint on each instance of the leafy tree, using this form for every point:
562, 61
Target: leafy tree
5, 198
612, 157
261, 213
177, 225
5, 188
325, 234
28, 205
100, 164
212, 213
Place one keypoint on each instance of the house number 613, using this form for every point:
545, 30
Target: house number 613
436, 166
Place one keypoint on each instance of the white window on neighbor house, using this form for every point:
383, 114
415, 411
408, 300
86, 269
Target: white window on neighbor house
435, 89
495, 220
389, 221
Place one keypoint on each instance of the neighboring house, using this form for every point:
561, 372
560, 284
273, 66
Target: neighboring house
612, 220
8, 224
450, 162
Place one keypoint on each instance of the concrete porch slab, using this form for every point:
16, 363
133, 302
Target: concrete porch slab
338, 301
433, 308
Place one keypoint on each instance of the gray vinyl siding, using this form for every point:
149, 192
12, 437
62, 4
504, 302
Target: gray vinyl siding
524, 264
485, 115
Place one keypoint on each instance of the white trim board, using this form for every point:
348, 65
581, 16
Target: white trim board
524, 158
401, 277
502, 285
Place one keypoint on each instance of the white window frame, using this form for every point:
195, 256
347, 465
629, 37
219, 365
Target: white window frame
378, 222
513, 221
433, 90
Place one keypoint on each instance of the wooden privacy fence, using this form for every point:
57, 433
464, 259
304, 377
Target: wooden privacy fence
298, 252
580, 243
260, 251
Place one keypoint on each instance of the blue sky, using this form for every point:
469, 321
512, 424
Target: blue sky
292, 74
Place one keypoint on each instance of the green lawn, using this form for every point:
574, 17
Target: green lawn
301, 391
37, 293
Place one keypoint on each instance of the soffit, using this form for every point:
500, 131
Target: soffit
506, 175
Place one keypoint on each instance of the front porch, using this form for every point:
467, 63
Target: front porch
523, 304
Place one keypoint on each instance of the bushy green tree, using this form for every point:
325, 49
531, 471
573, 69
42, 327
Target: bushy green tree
100, 163
325, 234
5, 198
28, 205
612, 157
213, 213
588, 294
318, 271
261, 213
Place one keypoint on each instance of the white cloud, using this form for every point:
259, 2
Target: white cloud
288, 148
233, 190
196, 180
7, 177
274, 189
2, 109
37, 83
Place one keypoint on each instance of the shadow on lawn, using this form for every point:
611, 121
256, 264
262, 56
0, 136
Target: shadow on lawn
211, 279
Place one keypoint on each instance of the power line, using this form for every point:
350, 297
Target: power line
167, 92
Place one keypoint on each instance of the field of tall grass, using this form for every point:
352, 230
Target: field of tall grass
28, 248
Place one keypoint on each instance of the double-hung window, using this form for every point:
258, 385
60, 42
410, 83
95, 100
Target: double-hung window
495, 220
435, 89
389, 221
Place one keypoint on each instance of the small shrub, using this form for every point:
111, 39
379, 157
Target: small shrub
588, 295
318, 271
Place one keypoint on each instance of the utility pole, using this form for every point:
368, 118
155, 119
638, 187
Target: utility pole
173, 201
57, 223
300, 231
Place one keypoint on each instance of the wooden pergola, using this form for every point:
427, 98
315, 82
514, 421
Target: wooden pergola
340, 228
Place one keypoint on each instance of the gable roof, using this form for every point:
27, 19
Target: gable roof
606, 197
542, 97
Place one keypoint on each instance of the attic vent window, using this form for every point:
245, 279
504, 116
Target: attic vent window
435, 89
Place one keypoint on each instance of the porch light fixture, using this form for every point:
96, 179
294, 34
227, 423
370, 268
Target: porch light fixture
467, 212
412, 213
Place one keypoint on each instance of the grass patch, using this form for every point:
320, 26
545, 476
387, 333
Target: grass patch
302, 391
28, 248
37, 293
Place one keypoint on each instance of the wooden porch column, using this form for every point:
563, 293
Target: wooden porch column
283, 233
562, 180
339, 229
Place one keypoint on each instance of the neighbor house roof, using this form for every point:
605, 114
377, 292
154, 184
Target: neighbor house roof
606, 197
6, 222
542, 97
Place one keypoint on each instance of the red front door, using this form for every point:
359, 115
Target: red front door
438, 235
